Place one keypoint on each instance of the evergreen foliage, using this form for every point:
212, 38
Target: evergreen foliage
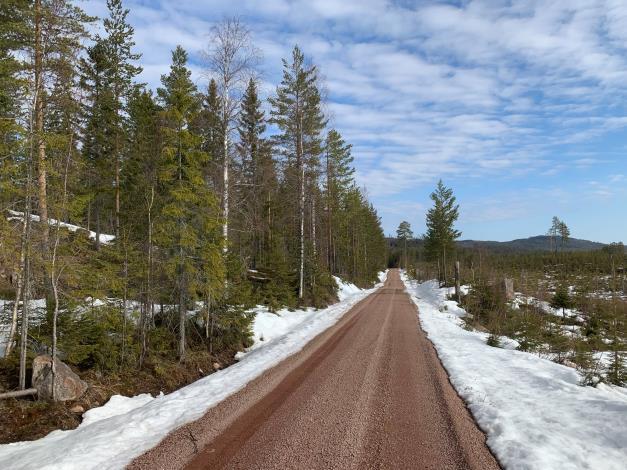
83, 143
441, 233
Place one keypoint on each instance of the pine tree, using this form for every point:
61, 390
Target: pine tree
99, 134
441, 233
564, 233
118, 45
58, 29
296, 110
553, 233
404, 234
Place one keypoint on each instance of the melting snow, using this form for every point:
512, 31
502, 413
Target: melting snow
112, 435
534, 412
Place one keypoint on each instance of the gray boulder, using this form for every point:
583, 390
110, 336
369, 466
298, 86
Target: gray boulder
67, 385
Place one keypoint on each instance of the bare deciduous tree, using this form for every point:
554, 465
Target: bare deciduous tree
231, 59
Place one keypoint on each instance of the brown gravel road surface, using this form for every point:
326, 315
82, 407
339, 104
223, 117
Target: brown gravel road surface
369, 392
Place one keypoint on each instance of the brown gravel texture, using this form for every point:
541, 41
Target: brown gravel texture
369, 392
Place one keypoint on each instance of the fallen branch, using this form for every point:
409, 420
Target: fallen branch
18, 393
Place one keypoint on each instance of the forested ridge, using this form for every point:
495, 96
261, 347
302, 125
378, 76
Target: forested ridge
147, 221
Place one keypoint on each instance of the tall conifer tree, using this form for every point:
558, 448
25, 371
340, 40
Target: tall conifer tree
441, 233
296, 110
188, 218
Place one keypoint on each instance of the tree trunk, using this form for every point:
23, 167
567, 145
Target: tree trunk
18, 293
54, 277
458, 294
405, 251
19, 393
24, 336
123, 309
313, 226
207, 308
225, 173
149, 300
329, 215
180, 267
213, 321
39, 128
181, 322
301, 162
117, 190
98, 231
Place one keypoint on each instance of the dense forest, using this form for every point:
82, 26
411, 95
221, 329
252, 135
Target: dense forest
139, 226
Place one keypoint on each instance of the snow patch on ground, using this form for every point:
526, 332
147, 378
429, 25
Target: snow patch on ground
112, 435
534, 412
37, 311
104, 238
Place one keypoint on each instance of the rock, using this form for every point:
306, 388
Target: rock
216, 366
67, 386
78, 409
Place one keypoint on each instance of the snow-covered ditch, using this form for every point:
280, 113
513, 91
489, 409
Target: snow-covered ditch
112, 435
533, 411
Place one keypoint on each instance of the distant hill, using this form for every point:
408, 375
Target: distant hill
537, 243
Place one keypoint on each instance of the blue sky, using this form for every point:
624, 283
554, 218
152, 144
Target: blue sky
520, 106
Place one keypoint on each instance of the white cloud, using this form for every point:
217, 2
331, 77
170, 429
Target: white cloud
488, 88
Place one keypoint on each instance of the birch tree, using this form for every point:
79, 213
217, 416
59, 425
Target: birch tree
231, 58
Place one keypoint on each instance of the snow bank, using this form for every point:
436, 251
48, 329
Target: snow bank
533, 411
270, 325
112, 435
104, 238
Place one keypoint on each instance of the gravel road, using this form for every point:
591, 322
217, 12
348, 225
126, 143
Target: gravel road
369, 392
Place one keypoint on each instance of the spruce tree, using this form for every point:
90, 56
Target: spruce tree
257, 178
441, 233
339, 179
188, 219
209, 126
561, 299
142, 200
